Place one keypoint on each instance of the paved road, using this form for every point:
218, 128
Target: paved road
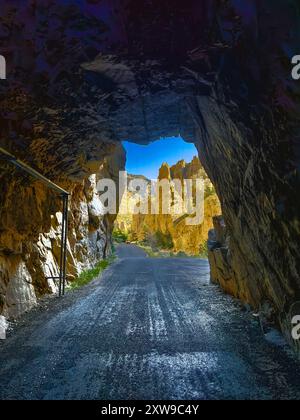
148, 329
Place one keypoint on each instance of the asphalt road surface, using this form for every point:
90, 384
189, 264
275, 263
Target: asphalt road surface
147, 329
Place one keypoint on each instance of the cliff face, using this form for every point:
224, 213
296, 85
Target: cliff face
30, 234
170, 231
217, 72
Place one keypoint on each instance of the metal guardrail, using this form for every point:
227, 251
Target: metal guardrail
65, 200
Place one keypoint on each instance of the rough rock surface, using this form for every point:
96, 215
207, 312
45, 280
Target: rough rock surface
218, 72
30, 236
221, 269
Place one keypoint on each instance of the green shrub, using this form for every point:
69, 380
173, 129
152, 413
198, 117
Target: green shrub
119, 236
164, 241
113, 248
88, 275
204, 250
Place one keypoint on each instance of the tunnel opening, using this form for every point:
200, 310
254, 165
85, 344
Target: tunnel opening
166, 228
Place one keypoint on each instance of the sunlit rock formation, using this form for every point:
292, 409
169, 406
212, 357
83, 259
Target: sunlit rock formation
30, 234
170, 231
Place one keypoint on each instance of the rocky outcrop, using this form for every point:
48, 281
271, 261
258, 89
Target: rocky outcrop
170, 231
219, 257
30, 235
217, 72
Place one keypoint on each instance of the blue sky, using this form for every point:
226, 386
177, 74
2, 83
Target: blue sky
146, 160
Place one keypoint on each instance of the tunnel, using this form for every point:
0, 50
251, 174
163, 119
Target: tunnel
84, 76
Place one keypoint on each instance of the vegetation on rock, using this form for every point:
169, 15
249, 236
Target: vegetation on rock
88, 275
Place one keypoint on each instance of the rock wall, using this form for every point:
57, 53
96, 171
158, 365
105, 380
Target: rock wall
221, 268
30, 234
262, 264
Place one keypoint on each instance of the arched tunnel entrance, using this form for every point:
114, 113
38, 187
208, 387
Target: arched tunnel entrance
156, 210
216, 72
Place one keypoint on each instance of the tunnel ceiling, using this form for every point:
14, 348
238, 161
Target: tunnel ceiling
97, 71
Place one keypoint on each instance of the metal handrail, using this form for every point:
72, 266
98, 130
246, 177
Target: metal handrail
65, 197
17, 162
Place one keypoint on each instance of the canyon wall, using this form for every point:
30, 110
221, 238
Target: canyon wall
83, 77
170, 231
30, 233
